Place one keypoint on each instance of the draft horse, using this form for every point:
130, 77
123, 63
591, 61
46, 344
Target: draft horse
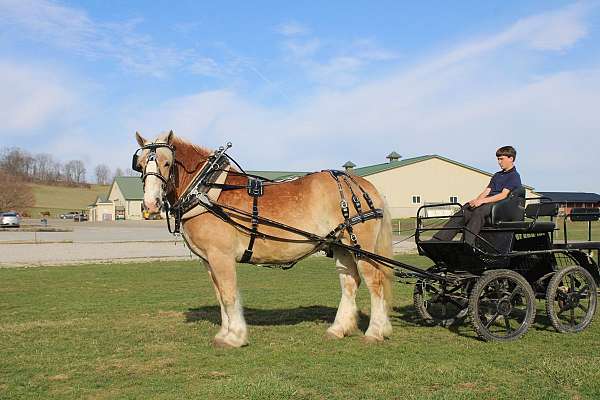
169, 166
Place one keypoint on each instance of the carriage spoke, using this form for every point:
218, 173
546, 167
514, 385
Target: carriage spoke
584, 308
507, 325
514, 293
580, 292
572, 317
491, 321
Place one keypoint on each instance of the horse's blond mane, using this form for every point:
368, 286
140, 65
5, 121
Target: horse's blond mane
182, 143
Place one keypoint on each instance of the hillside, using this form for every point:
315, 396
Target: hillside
60, 199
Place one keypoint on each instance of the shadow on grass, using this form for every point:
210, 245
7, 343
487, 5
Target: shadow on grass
409, 315
285, 316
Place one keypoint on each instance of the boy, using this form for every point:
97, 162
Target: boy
473, 214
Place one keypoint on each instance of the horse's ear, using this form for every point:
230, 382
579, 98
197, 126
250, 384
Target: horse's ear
141, 141
170, 136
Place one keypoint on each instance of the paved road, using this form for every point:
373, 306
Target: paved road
95, 242
89, 242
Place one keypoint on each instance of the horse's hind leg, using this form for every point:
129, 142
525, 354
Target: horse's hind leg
346, 317
379, 284
233, 332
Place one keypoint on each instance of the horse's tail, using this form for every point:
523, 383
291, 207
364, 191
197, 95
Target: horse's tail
383, 247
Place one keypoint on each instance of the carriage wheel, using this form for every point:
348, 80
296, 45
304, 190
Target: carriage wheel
501, 305
571, 299
440, 303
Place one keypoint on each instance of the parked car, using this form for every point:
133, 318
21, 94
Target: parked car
10, 219
80, 217
69, 215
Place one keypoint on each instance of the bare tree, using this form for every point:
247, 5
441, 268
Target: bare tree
130, 172
15, 194
118, 172
102, 174
80, 171
16, 162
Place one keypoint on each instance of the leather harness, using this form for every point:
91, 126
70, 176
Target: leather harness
203, 192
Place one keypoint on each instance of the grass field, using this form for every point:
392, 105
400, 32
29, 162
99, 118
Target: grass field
144, 331
61, 199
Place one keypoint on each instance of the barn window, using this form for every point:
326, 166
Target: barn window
416, 199
453, 199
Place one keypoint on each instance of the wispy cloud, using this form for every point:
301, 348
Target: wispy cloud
292, 28
32, 98
73, 30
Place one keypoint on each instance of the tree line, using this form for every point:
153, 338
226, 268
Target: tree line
44, 168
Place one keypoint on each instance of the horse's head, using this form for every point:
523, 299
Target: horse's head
155, 161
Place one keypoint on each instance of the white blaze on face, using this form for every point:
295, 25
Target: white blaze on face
153, 192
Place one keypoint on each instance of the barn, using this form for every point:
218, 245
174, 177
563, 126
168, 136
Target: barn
123, 201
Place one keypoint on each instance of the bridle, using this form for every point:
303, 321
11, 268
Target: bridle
152, 157
212, 167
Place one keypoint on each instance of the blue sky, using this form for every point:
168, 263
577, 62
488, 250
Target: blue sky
309, 85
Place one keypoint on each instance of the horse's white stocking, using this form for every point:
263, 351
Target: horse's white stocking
379, 323
233, 331
347, 313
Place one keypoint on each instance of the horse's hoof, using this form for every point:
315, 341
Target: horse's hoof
219, 343
331, 335
372, 340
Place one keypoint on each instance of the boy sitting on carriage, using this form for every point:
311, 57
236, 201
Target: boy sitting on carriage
472, 215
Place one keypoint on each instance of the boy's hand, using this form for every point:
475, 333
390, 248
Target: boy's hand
475, 203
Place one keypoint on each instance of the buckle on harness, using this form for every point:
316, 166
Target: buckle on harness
255, 187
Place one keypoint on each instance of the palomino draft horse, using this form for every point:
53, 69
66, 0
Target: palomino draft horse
169, 166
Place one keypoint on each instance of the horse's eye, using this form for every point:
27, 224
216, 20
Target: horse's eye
167, 164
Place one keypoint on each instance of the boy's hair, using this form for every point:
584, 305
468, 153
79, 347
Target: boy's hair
507, 151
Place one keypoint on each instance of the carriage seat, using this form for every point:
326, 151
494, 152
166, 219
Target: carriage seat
532, 225
511, 209
509, 215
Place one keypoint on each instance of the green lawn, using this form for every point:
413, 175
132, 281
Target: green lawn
61, 199
144, 331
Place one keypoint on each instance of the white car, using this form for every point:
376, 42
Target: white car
10, 218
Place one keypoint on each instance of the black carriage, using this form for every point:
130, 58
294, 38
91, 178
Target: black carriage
514, 261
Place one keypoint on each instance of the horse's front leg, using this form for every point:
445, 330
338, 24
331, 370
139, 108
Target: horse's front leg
233, 332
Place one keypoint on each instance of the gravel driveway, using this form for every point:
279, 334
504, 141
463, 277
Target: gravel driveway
100, 242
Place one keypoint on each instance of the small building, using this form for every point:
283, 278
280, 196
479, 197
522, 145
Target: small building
123, 201
101, 210
570, 200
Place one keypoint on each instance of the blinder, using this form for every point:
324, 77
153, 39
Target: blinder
135, 165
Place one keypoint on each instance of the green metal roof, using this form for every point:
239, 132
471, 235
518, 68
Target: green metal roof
275, 175
131, 187
373, 169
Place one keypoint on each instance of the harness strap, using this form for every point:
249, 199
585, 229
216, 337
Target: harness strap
255, 189
355, 200
344, 206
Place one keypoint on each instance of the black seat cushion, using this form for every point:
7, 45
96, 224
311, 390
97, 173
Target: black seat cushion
525, 226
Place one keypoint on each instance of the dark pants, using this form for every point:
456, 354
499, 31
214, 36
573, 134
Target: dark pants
471, 218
